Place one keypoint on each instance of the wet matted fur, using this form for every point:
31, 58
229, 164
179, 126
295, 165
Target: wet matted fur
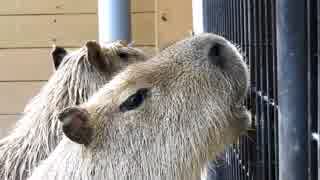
159, 119
79, 74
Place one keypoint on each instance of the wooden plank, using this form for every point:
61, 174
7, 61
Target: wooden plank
19, 7
44, 30
142, 6
25, 64
15, 95
143, 29
173, 21
33, 64
7, 123
47, 6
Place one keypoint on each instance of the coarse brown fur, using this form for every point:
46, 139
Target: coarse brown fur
159, 119
79, 74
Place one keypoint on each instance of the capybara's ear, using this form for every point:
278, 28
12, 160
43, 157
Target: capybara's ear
216, 54
95, 55
75, 125
57, 54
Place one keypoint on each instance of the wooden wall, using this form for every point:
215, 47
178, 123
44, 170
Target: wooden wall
173, 21
29, 28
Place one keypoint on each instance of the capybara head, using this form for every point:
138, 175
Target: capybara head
81, 72
159, 119
78, 75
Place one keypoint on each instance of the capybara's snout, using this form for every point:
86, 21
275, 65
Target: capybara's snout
75, 124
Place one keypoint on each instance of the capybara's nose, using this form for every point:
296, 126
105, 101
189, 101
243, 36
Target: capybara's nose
75, 124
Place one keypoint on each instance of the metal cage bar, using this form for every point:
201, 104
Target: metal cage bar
279, 40
292, 88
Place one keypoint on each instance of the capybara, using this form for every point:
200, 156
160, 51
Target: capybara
159, 119
78, 75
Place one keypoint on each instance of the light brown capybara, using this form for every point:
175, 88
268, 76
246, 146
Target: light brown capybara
159, 119
78, 75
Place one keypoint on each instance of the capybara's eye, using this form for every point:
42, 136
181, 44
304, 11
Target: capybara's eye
134, 100
123, 55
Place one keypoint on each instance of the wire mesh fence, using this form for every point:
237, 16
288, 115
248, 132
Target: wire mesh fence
254, 26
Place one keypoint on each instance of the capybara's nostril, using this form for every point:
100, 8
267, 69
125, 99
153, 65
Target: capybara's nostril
215, 54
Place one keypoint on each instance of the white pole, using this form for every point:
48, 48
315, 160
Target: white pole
197, 15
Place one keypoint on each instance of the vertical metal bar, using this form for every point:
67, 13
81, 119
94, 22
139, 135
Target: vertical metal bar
318, 81
241, 144
292, 84
232, 162
223, 17
243, 32
312, 87
234, 172
232, 15
241, 162
211, 15
236, 150
240, 24
217, 26
218, 16
249, 103
232, 20
253, 134
275, 88
236, 165
229, 172
263, 85
226, 10
270, 90
257, 87
237, 21
246, 33
245, 47
214, 12
270, 112
228, 19
247, 150
114, 20
206, 15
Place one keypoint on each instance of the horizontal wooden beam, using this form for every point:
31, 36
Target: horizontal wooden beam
15, 95
7, 123
45, 30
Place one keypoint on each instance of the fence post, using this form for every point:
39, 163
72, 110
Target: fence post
114, 20
292, 89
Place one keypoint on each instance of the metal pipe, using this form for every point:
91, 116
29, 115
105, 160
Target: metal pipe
114, 20
292, 89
